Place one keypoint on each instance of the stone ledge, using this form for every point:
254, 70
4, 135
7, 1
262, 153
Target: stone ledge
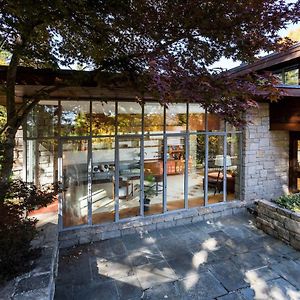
278, 222
140, 225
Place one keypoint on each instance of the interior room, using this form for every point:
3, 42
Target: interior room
119, 160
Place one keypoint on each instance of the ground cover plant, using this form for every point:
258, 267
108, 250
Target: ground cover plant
17, 230
291, 202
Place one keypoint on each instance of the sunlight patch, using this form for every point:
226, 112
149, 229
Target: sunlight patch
257, 284
191, 280
199, 258
210, 244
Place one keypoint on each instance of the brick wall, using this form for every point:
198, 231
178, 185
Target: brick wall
265, 158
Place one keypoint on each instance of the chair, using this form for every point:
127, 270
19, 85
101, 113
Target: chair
215, 181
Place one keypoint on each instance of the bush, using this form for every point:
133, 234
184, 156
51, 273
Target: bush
17, 230
291, 202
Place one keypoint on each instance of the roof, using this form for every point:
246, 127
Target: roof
94, 84
71, 84
270, 62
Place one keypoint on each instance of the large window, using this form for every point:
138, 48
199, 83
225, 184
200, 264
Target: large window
288, 76
120, 160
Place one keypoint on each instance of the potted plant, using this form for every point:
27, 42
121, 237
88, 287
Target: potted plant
149, 191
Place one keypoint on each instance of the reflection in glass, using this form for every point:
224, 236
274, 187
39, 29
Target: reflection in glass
196, 171
41, 161
215, 168
75, 118
75, 177
103, 118
215, 123
129, 177
153, 175
291, 77
176, 117
103, 172
278, 77
175, 172
129, 118
233, 169
42, 121
196, 118
153, 118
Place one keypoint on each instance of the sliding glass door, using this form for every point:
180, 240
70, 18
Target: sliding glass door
75, 182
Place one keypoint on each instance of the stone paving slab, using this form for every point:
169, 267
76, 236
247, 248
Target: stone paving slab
223, 259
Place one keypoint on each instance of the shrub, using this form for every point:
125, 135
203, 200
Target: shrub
17, 230
291, 202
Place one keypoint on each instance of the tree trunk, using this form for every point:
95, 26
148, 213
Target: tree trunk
8, 154
9, 134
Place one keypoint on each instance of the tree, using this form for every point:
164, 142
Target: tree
170, 44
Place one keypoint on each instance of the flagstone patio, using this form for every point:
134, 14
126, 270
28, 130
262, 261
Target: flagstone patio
223, 259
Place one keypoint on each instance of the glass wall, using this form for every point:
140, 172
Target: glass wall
215, 164
153, 174
123, 160
75, 118
42, 161
233, 141
103, 174
175, 169
176, 118
129, 118
129, 166
288, 76
103, 118
42, 121
75, 182
196, 169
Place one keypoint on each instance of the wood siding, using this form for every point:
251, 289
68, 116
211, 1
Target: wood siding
285, 115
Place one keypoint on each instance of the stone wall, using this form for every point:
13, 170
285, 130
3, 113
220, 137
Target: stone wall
278, 222
89, 234
265, 157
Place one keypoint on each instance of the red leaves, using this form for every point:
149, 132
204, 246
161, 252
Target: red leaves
228, 97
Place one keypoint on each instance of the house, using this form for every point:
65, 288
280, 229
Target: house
127, 166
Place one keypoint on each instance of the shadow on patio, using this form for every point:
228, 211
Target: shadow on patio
223, 259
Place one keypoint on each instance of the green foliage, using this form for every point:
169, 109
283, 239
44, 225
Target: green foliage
291, 202
4, 57
149, 188
2, 116
2, 124
17, 230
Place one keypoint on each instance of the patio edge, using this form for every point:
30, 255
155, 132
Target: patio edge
90, 234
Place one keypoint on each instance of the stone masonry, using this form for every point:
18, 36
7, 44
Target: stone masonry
140, 225
278, 222
265, 158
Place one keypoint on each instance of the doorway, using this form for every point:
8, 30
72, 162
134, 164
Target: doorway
294, 170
